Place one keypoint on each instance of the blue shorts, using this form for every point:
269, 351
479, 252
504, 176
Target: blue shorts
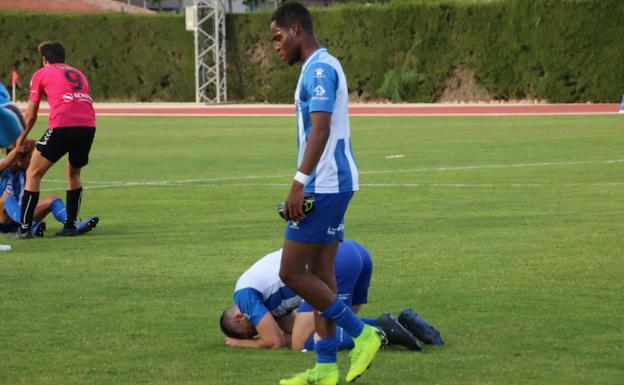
353, 268
323, 225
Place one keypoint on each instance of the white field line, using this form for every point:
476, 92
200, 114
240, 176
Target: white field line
369, 185
217, 181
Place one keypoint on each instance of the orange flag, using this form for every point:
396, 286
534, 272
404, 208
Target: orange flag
14, 77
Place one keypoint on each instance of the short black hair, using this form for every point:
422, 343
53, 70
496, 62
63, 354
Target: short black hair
53, 51
291, 13
231, 328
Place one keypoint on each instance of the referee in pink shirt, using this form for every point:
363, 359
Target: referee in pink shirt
71, 130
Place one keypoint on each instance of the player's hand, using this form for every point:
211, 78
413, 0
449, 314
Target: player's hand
228, 341
294, 202
20, 141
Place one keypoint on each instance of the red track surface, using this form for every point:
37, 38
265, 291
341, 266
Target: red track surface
188, 109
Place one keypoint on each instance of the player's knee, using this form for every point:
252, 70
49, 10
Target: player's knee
289, 277
34, 174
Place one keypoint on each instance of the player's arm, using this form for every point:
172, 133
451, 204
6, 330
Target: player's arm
9, 159
30, 118
269, 336
302, 329
286, 323
319, 134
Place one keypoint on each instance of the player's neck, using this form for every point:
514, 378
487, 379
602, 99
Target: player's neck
308, 47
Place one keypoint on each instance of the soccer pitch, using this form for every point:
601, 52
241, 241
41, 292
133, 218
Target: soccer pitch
506, 233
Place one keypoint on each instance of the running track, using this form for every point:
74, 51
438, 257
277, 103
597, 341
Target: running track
192, 109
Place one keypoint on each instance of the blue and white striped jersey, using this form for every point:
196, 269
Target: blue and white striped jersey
260, 290
322, 86
13, 182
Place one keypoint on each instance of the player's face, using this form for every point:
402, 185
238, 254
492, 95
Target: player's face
285, 43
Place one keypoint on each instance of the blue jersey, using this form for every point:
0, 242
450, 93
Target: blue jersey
322, 87
260, 290
13, 182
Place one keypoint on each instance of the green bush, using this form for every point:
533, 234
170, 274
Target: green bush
558, 50
125, 57
400, 86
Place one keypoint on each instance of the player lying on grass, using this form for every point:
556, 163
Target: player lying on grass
12, 177
264, 312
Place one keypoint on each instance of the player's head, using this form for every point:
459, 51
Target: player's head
52, 51
234, 324
22, 161
289, 24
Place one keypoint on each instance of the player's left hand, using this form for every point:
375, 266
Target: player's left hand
294, 203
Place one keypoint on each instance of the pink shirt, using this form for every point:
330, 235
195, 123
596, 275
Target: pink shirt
67, 91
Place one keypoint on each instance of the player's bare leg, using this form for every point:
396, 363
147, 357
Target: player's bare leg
38, 167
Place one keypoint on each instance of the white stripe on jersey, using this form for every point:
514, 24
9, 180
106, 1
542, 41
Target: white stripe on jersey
336, 170
264, 277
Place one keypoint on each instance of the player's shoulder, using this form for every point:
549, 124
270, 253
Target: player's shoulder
262, 271
40, 72
324, 60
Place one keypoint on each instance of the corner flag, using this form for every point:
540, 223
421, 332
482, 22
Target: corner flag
14, 78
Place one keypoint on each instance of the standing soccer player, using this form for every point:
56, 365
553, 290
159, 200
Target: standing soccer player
327, 172
70, 131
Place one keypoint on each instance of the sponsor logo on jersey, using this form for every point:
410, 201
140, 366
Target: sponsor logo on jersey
319, 91
78, 96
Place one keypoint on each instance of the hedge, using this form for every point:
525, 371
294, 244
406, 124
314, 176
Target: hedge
125, 57
557, 50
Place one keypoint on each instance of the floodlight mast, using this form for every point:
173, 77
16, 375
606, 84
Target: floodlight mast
206, 18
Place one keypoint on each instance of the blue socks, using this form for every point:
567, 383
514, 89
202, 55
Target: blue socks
58, 210
326, 350
343, 338
344, 317
350, 326
12, 208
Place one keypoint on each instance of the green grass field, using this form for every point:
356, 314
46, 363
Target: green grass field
506, 233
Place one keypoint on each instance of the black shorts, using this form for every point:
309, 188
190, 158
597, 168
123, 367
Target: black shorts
62, 140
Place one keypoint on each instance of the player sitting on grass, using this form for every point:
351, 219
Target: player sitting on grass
264, 316
12, 176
